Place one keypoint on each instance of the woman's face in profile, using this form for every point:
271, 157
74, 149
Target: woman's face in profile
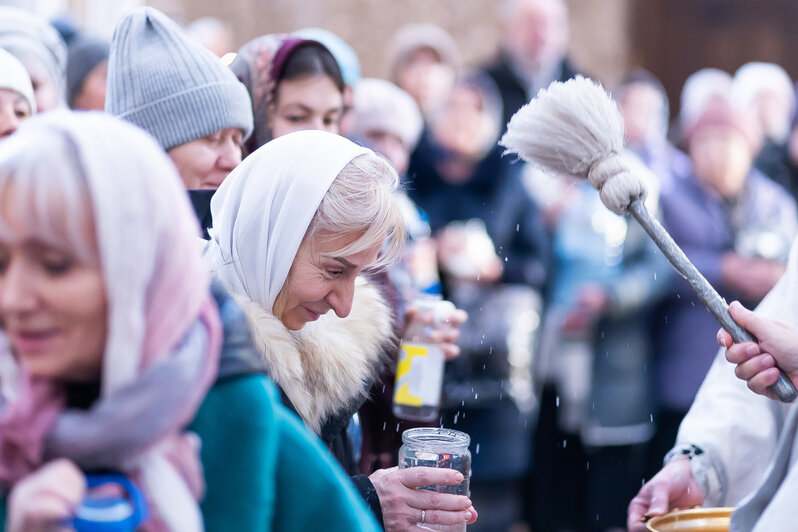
318, 283
307, 103
53, 305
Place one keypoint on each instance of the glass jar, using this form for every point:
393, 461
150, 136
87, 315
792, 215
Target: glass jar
443, 448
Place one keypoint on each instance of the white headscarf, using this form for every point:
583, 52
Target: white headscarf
264, 207
13, 76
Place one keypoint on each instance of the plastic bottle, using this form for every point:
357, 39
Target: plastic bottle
419, 373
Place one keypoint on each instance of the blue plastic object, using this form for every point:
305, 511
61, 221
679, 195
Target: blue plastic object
111, 514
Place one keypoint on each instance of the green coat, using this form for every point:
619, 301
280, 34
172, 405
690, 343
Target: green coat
264, 470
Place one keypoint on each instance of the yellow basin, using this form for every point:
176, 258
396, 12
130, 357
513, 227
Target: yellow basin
692, 520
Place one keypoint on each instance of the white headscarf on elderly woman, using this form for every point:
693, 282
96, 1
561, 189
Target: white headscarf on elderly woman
260, 222
164, 336
262, 212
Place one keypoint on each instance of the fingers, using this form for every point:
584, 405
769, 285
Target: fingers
660, 499
637, 509
746, 318
763, 380
458, 317
415, 477
441, 517
430, 500
445, 335
752, 367
724, 338
46, 496
450, 351
739, 353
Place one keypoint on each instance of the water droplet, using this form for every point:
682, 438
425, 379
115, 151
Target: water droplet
651, 418
517, 227
456, 417
384, 425
506, 259
477, 448
557, 401
476, 396
655, 276
564, 444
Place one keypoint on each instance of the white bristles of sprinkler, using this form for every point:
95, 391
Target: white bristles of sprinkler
574, 129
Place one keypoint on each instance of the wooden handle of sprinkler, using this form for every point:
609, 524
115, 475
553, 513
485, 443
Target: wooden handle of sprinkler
783, 387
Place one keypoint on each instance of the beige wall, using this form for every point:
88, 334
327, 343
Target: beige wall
598, 27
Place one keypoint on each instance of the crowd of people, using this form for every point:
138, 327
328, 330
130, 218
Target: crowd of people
206, 272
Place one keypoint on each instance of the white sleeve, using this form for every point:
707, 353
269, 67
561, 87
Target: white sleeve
736, 428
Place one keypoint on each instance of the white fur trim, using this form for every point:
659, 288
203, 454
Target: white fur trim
329, 363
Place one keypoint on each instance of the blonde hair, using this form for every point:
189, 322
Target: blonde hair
362, 199
47, 188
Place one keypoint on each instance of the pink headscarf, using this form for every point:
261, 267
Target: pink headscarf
161, 318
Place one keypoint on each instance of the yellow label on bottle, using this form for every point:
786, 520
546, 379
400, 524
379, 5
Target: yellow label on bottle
402, 394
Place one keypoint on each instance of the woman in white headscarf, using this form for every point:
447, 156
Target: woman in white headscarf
294, 227
110, 339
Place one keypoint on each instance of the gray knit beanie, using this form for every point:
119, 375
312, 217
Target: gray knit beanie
170, 86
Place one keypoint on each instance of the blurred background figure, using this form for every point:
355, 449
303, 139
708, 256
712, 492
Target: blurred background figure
213, 34
387, 119
698, 90
593, 361
347, 61
40, 48
17, 102
533, 52
493, 252
767, 91
736, 226
295, 84
87, 71
646, 114
424, 61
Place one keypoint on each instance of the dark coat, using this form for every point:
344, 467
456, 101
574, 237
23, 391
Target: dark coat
513, 89
494, 195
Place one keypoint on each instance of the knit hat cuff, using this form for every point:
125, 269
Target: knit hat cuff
195, 113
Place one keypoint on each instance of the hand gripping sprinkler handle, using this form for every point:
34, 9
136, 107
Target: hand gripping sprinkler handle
783, 388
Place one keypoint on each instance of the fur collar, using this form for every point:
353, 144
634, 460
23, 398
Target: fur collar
329, 364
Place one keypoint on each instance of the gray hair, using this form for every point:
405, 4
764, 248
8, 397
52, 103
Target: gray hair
362, 199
